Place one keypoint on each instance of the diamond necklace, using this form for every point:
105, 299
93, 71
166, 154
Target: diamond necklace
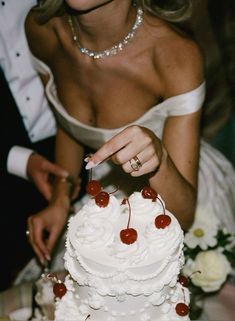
113, 50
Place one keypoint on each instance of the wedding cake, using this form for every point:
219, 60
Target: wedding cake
123, 259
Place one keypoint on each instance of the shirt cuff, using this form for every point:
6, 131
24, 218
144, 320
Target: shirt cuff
17, 161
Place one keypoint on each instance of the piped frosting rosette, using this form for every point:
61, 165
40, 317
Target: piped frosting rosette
89, 233
93, 227
127, 255
91, 211
148, 207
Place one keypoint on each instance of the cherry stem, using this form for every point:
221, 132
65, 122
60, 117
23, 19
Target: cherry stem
53, 277
90, 174
114, 191
87, 317
129, 206
88, 156
163, 207
194, 273
183, 294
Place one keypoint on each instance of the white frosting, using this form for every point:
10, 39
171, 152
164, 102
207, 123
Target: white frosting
113, 281
45, 295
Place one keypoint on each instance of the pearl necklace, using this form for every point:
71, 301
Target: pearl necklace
113, 50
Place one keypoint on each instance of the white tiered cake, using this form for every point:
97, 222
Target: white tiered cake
127, 276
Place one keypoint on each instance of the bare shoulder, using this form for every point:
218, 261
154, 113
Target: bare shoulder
177, 59
41, 38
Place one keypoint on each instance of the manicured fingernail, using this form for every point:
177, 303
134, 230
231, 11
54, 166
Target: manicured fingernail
87, 159
48, 257
90, 165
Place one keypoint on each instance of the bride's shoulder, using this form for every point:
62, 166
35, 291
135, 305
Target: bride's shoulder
176, 57
41, 38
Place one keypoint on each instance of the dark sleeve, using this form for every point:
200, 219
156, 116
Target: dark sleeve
12, 130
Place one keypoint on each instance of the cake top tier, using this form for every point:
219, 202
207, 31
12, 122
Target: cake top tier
94, 240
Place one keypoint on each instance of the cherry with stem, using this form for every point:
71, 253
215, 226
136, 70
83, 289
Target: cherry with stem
94, 189
128, 235
163, 220
184, 280
182, 308
59, 288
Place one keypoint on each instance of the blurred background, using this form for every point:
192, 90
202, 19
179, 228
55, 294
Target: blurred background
213, 27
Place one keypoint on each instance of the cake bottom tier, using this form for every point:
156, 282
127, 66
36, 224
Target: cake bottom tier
85, 304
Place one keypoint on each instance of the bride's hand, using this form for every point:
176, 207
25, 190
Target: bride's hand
137, 149
49, 222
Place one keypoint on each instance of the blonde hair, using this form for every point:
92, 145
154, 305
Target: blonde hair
46, 9
175, 11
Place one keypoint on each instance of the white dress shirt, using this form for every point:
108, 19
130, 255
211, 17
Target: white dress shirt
23, 80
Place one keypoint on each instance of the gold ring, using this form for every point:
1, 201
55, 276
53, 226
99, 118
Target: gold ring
27, 232
135, 163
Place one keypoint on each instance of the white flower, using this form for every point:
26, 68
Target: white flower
201, 235
204, 230
213, 268
231, 245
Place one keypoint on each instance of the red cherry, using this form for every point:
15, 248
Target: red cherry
183, 280
59, 289
128, 236
182, 309
162, 221
102, 199
93, 187
149, 193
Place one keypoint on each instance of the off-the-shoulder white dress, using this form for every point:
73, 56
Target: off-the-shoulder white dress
216, 191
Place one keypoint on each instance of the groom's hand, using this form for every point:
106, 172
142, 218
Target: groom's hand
39, 170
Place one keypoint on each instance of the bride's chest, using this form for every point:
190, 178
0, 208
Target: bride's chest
107, 99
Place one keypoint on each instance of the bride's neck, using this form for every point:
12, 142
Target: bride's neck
106, 25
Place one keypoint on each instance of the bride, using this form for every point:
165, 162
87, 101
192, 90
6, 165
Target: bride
123, 80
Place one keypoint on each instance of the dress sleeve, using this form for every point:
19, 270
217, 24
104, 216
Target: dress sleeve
186, 103
40, 66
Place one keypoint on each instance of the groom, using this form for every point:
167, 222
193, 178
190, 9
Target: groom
27, 129
27, 137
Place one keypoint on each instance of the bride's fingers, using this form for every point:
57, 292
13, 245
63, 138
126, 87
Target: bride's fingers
114, 145
148, 167
139, 148
140, 158
106, 152
124, 147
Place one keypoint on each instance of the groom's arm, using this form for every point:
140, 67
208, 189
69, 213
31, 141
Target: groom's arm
17, 157
12, 132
